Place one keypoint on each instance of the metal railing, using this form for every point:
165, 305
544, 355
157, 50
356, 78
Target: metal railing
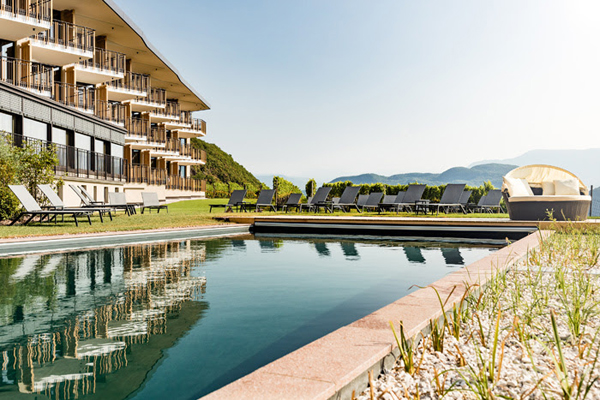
132, 82
172, 111
137, 127
106, 60
158, 134
68, 35
26, 74
186, 117
155, 96
176, 182
82, 98
140, 173
38, 9
198, 125
77, 162
112, 112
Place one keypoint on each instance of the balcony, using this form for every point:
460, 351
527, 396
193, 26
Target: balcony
64, 43
140, 136
20, 19
176, 182
139, 173
196, 128
35, 77
130, 87
81, 98
175, 151
111, 112
80, 163
137, 130
106, 65
171, 113
156, 98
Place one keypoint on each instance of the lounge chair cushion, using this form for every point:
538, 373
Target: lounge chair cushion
548, 188
544, 198
517, 187
566, 187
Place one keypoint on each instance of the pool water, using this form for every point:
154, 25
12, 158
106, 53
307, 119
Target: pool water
180, 319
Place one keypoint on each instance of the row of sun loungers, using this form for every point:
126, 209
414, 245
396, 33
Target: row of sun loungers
88, 206
454, 199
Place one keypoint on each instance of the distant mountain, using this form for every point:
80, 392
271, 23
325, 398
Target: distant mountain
474, 176
583, 163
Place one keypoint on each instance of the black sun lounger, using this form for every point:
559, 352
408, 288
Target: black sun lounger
347, 201
412, 195
33, 209
236, 200
56, 203
319, 200
392, 203
292, 202
150, 201
450, 199
489, 202
373, 201
264, 200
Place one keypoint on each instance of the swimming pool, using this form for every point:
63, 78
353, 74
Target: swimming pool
181, 319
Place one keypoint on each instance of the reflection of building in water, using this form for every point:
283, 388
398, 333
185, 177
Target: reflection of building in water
414, 254
69, 320
452, 256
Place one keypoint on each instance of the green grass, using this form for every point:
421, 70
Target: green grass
183, 214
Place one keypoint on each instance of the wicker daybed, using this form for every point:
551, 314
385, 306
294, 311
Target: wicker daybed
542, 192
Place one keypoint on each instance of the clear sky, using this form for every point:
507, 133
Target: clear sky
323, 88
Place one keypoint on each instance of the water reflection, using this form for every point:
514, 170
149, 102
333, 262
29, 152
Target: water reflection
414, 254
349, 250
68, 321
452, 256
322, 249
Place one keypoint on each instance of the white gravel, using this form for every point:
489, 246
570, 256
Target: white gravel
526, 354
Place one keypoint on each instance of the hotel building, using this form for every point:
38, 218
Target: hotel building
81, 75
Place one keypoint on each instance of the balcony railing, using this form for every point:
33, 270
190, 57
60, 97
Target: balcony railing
132, 82
26, 74
158, 134
38, 9
139, 173
79, 163
137, 127
112, 112
82, 98
198, 125
106, 60
155, 96
186, 117
68, 35
176, 182
172, 111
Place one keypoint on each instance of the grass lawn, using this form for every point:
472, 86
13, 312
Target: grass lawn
183, 214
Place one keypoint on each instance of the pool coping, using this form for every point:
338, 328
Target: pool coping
37, 244
336, 365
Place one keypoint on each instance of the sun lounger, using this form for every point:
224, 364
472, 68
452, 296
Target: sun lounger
412, 195
450, 199
464, 198
292, 202
319, 200
373, 201
236, 200
347, 201
264, 200
88, 202
489, 202
150, 201
56, 203
391, 202
88, 196
362, 200
33, 209
118, 200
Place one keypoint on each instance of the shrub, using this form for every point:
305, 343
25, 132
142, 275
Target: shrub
283, 189
311, 188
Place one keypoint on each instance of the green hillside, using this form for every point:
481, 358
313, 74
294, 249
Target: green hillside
471, 176
221, 167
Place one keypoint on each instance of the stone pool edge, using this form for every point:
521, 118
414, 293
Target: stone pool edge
36, 244
335, 365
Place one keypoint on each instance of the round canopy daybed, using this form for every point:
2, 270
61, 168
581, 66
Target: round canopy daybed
542, 192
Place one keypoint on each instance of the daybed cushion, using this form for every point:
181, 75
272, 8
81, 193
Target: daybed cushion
544, 198
517, 187
566, 187
548, 188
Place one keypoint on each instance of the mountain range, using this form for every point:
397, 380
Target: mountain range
473, 176
583, 163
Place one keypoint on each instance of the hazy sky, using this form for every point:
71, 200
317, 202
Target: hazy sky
322, 88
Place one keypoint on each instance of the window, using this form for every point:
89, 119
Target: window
6, 123
59, 136
35, 129
99, 146
116, 150
182, 171
83, 142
